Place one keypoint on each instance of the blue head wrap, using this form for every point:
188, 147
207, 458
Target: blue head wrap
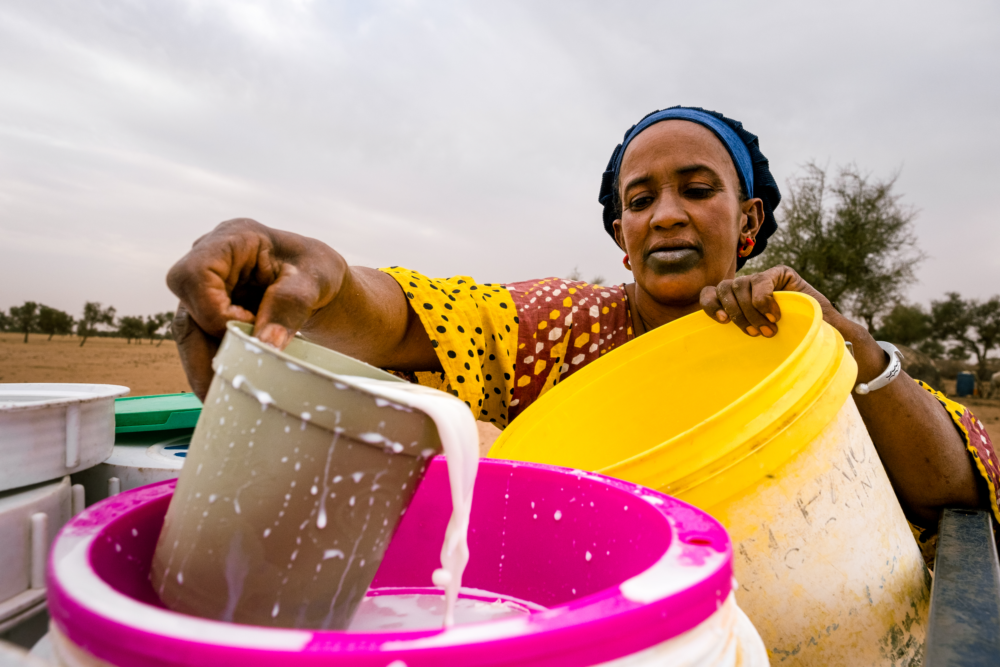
751, 166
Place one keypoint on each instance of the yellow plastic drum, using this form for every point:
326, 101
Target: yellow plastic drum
763, 434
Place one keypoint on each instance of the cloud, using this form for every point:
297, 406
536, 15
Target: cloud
456, 137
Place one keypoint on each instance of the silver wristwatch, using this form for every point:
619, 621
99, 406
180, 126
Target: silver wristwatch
890, 373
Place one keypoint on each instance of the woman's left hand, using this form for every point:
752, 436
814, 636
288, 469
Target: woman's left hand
748, 301
922, 451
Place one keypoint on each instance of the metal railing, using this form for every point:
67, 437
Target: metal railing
964, 624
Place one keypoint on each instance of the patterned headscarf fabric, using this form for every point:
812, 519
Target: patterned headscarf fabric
751, 166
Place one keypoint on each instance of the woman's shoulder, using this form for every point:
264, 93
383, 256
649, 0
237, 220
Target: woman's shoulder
551, 285
542, 298
563, 326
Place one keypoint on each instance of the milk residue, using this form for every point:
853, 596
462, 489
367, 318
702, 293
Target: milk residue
460, 439
680, 567
424, 611
241, 382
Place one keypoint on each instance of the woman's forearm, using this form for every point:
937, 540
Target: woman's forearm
371, 319
922, 451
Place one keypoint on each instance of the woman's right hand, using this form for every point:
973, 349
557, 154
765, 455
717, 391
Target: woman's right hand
245, 271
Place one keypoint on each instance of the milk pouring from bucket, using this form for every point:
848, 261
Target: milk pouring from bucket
298, 472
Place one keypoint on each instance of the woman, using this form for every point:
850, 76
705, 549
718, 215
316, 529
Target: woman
687, 196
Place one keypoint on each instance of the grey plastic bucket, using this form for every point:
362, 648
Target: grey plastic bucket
293, 485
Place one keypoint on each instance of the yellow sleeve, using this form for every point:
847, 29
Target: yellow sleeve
473, 329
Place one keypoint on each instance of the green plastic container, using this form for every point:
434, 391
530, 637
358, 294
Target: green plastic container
165, 412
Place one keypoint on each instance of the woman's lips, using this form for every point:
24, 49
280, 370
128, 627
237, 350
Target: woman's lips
673, 260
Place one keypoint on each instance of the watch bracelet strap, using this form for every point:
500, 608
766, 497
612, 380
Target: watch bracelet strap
890, 373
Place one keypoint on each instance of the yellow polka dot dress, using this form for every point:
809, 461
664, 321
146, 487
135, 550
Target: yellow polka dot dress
503, 346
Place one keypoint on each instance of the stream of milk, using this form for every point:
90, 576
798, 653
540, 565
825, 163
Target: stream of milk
460, 439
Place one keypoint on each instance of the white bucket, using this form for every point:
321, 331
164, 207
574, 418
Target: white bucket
51, 430
727, 638
14, 656
132, 466
29, 521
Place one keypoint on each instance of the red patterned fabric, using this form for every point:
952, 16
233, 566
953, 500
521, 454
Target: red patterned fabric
977, 442
564, 325
983, 456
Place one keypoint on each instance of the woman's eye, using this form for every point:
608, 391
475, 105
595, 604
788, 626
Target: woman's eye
640, 203
699, 192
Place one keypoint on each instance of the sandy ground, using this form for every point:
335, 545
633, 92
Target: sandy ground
155, 369
144, 368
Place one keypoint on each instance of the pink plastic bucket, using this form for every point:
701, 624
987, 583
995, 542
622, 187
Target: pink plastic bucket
565, 540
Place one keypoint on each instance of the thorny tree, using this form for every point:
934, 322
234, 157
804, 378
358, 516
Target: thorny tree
93, 315
973, 325
154, 323
25, 317
852, 239
53, 321
130, 327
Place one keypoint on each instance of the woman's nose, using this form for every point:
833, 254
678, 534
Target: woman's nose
668, 211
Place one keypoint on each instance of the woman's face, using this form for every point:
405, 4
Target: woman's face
682, 219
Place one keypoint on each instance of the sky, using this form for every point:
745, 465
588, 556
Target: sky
458, 138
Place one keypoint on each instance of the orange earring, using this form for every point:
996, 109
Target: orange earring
747, 246
625, 262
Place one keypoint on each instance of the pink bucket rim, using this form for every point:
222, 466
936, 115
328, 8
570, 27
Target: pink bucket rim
596, 628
